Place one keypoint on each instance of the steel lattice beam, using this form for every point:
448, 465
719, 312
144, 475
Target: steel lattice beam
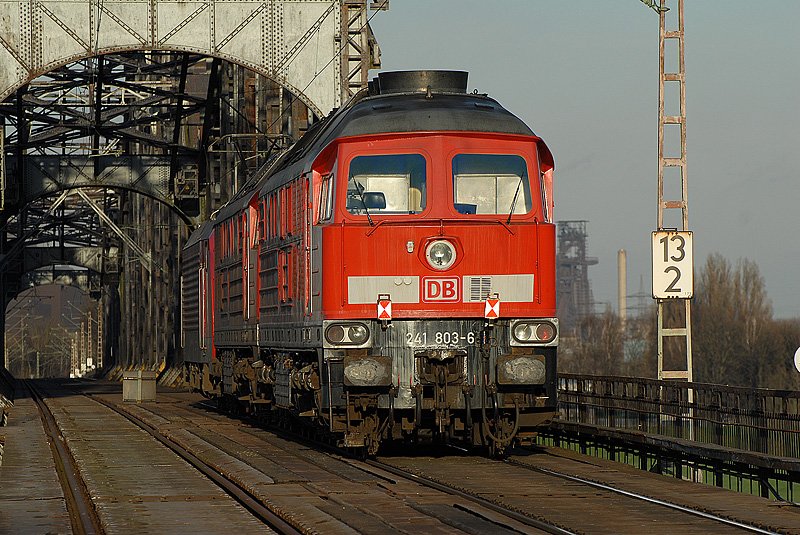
225, 29
177, 121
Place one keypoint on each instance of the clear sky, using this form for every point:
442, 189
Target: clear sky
584, 75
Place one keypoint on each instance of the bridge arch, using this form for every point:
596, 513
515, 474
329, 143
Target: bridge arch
159, 195
115, 100
320, 51
301, 93
81, 277
294, 42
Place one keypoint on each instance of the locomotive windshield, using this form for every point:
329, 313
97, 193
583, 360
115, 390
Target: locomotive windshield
491, 184
386, 184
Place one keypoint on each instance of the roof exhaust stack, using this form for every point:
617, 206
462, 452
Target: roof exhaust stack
419, 82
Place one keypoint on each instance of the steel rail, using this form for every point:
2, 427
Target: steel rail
237, 492
83, 516
641, 497
441, 487
550, 528
435, 485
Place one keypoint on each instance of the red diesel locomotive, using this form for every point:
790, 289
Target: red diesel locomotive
391, 276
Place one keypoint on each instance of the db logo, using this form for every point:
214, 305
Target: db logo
440, 289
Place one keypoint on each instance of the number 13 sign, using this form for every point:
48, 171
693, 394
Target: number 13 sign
673, 267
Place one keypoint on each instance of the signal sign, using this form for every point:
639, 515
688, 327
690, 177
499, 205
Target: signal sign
384, 309
492, 309
673, 269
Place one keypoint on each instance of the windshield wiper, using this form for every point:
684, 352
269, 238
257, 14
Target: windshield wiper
360, 190
514, 201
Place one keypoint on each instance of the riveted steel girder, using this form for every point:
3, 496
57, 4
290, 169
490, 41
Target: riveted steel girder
289, 41
155, 109
92, 258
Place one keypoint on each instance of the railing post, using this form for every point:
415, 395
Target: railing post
678, 433
579, 397
763, 433
719, 425
609, 402
643, 408
763, 483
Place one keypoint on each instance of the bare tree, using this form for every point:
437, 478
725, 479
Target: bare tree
779, 341
734, 338
597, 349
730, 315
641, 352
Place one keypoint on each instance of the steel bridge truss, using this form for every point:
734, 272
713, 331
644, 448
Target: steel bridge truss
121, 134
64, 235
113, 158
115, 121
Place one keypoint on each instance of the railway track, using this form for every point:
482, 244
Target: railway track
576, 504
227, 484
364, 464
644, 498
83, 516
530, 516
502, 519
549, 527
377, 488
524, 519
314, 488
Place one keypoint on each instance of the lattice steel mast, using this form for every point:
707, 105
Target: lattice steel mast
683, 328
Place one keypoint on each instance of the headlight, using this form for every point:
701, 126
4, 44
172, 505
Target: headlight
440, 254
534, 332
335, 334
346, 334
523, 332
358, 334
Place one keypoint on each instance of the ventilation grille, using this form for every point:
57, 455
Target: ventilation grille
479, 288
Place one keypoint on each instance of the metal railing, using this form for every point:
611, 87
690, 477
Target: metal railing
754, 420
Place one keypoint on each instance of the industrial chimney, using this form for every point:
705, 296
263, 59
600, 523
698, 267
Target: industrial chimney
622, 286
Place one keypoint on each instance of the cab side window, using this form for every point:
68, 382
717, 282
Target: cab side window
326, 198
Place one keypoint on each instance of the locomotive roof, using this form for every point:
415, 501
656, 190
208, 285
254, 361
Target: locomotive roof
420, 112
425, 101
405, 112
200, 233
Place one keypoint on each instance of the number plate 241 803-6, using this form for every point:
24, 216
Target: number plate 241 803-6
449, 334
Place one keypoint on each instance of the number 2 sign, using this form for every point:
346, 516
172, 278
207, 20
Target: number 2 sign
673, 267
